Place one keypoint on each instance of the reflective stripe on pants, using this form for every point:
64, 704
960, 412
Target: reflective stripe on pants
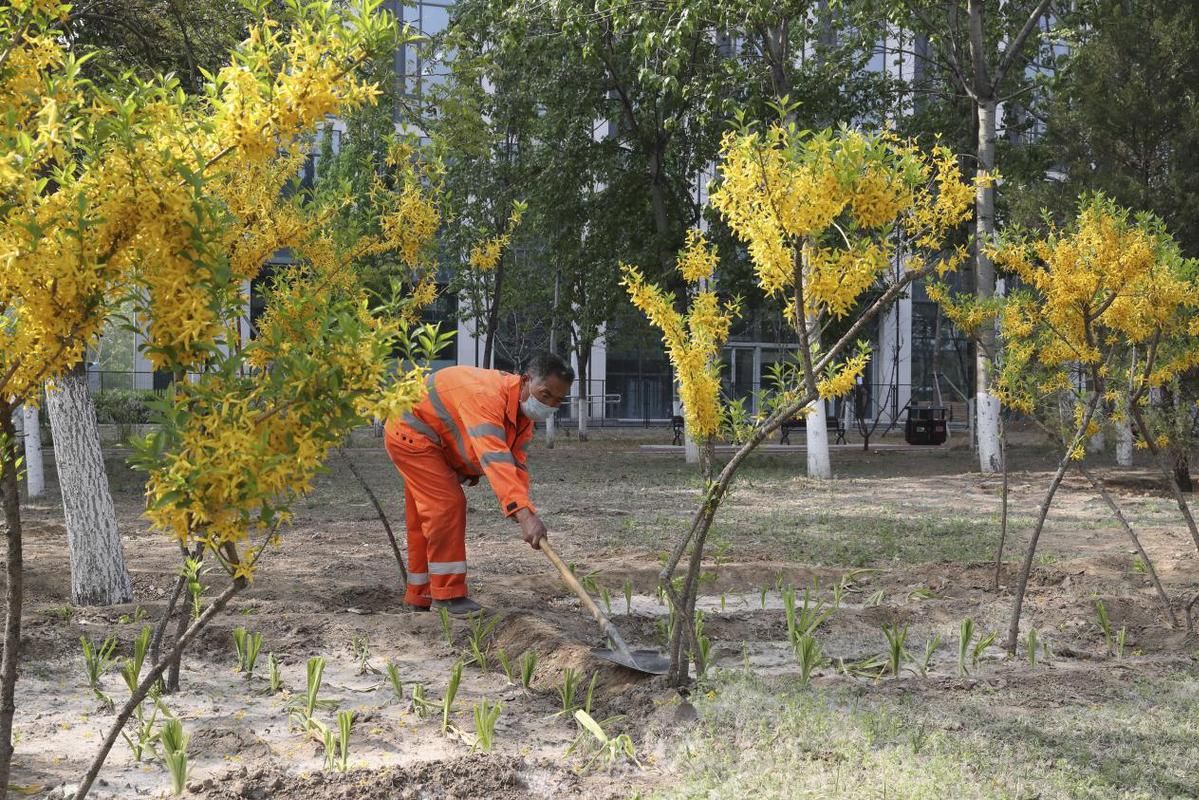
435, 508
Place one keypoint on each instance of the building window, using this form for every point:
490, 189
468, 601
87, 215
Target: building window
423, 66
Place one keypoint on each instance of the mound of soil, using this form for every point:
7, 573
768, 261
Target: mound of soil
473, 777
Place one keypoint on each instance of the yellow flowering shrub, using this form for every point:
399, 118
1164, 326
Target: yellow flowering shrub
822, 207
1110, 282
693, 340
144, 182
840, 379
260, 420
236, 444
173, 204
817, 213
485, 255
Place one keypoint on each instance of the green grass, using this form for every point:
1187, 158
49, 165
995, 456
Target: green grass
845, 538
839, 537
768, 741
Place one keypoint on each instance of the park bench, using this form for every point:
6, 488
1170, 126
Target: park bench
800, 422
676, 427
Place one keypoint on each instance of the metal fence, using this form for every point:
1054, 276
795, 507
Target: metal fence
647, 399
104, 380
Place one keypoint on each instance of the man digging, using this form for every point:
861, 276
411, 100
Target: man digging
472, 422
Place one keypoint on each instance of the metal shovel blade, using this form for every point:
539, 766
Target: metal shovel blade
648, 661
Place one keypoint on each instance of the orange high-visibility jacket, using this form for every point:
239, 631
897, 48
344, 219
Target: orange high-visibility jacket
473, 415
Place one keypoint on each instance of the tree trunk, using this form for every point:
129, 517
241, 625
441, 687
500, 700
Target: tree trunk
1164, 466
819, 463
98, 573
493, 315
690, 448
583, 356
147, 683
551, 422
659, 203
14, 590
1013, 635
1003, 508
816, 428
1124, 444
35, 474
370, 495
935, 365
1136, 541
1182, 471
986, 404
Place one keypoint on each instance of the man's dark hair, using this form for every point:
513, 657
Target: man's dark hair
543, 365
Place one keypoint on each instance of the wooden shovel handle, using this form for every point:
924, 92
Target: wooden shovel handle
570, 580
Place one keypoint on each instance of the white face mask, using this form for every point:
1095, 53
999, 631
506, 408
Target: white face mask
536, 410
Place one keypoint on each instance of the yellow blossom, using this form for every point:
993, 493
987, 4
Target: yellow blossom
693, 340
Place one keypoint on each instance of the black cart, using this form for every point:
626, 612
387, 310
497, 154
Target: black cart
925, 426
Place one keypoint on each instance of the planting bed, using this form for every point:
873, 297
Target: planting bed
907, 536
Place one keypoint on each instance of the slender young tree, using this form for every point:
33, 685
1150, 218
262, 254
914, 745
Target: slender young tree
815, 212
985, 48
795, 41
1110, 282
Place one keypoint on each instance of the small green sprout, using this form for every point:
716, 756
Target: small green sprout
131, 669
1105, 624
528, 666
807, 651
447, 627
97, 660
486, 714
568, 690
345, 721
247, 645
361, 648
610, 748
447, 702
393, 679
965, 635
897, 654
276, 677
506, 665
420, 705
174, 753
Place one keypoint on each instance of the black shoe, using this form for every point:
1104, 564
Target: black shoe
459, 606
415, 608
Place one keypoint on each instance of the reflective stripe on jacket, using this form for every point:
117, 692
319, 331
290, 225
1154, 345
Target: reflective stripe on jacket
473, 415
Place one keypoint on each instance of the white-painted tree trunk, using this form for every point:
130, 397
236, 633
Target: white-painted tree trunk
551, 430
584, 409
990, 458
98, 573
1124, 442
691, 448
35, 475
987, 430
819, 463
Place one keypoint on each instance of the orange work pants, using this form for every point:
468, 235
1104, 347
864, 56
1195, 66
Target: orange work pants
435, 507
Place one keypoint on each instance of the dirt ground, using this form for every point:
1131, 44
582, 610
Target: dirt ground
908, 532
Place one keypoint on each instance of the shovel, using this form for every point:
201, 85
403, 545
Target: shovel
648, 661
